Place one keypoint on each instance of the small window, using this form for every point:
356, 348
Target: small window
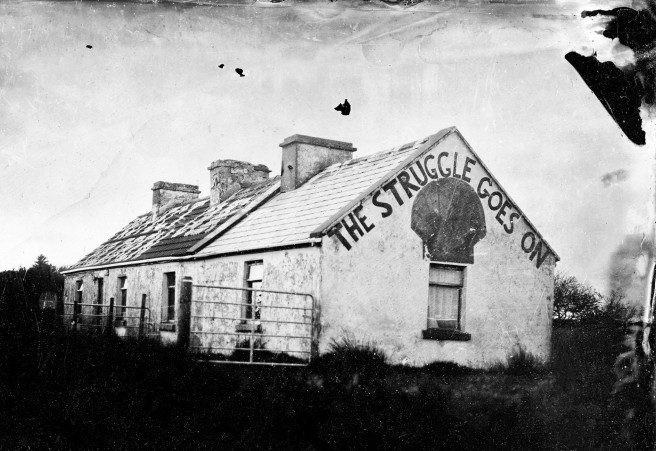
123, 297
444, 297
254, 273
79, 292
445, 284
170, 296
98, 311
100, 286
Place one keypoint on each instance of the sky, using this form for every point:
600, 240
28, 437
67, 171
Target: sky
85, 132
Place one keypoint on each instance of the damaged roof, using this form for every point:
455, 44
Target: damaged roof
177, 230
258, 217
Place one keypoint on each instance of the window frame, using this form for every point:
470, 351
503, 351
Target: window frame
170, 297
100, 299
122, 298
444, 333
79, 296
248, 313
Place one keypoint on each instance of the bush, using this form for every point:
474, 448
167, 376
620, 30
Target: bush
260, 353
614, 309
520, 362
350, 359
576, 302
573, 300
523, 362
353, 353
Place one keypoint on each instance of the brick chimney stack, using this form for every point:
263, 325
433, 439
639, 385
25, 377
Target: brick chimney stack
168, 195
305, 156
229, 176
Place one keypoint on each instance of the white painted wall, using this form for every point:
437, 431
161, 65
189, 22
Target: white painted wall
377, 292
284, 270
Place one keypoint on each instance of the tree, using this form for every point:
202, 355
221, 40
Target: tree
42, 277
573, 300
20, 291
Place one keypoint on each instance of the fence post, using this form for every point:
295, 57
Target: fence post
184, 313
142, 315
314, 329
252, 341
110, 317
75, 304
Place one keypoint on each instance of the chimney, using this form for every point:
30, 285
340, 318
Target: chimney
229, 176
305, 156
168, 195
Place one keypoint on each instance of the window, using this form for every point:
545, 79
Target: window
254, 271
123, 297
99, 300
79, 297
170, 296
445, 284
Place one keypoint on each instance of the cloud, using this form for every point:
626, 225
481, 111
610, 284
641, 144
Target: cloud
612, 178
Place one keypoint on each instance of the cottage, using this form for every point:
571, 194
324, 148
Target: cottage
417, 249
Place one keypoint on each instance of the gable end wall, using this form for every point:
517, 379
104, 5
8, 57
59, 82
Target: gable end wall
377, 292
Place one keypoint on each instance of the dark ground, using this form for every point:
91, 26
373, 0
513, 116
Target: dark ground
62, 392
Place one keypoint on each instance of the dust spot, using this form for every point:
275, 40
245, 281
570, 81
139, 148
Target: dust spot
621, 88
612, 178
344, 108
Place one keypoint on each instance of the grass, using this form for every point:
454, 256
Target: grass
65, 392
521, 363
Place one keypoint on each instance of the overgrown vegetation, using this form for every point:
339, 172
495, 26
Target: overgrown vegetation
577, 302
86, 392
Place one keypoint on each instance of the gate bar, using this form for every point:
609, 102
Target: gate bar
261, 320
267, 306
256, 289
250, 320
305, 337
253, 350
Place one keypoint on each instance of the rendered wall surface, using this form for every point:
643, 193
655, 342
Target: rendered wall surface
370, 278
378, 290
284, 270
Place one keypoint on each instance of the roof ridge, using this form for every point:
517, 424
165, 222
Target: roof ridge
371, 157
385, 151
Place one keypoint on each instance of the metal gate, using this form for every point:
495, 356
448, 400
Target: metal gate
106, 317
251, 325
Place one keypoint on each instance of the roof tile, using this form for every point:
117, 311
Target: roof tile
174, 232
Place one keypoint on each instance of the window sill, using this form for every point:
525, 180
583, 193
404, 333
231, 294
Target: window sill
251, 328
445, 334
167, 327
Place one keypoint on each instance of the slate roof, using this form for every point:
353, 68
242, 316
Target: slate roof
291, 217
258, 217
175, 231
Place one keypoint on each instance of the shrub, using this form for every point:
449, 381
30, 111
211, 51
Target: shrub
614, 309
576, 302
349, 350
349, 357
260, 353
520, 362
573, 300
